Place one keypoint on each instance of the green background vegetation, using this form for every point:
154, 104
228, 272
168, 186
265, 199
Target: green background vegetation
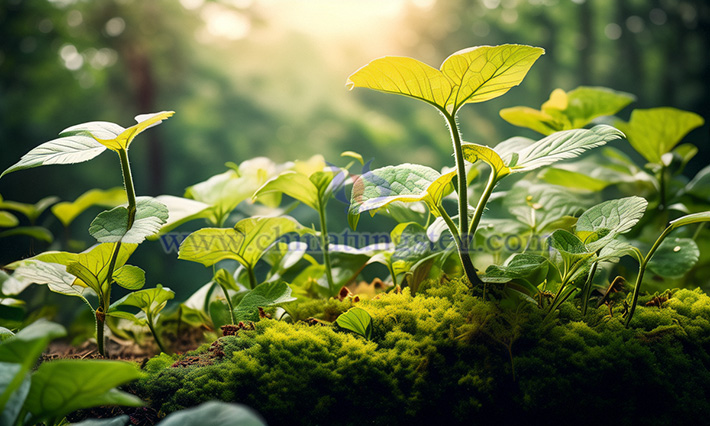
266, 78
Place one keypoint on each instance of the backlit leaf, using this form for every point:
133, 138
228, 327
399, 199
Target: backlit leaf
8, 220
129, 277
357, 320
151, 300
31, 211
246, 242
263, 295
67, 150
112, 226
475, 74
113, 136
613, 217
473, 152
66, 212
654, 132
293, 184
37, 232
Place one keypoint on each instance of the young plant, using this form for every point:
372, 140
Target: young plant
150, 301
313, 188
118, 230
471, 75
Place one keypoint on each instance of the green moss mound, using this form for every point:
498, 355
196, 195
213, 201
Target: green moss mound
444, 356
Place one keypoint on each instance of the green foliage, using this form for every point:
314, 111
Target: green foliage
356, 320
263, 295
67, 211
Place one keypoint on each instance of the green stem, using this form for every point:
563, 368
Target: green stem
464, 256
662, 189
324, 247
390, 266
155, 335
460, 172
128, 185
229, 304
100, 323
587, 291
480, 206
252, 278
642, 269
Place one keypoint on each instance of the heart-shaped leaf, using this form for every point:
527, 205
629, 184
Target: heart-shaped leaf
246, 242
405, 183
66, 211
112, 226
263, 295
475, 74
356, 320
654, 132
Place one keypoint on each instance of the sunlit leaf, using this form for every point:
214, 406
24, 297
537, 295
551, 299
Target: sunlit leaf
614, 250
559, 146
613, 217
54, 275
129, 277
405, 183
63, 386
263, 295
690, 219
31, 211
674, 257
293, 184
66, 212
8, 219
180, 210
246, 242
67, 150
571, 110
476, 74
654, 132
473, 152
92, 266
112, 226
151, 300
572, 179
356, 320
113, 136
225, 279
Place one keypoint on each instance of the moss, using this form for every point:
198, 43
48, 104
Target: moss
445, 356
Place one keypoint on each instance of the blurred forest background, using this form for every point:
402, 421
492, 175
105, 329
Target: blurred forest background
267, 78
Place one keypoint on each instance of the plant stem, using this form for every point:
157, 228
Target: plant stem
464, 237
464, 256
642, 269
662, 189
100, 322
480, 206
587, 291
128, 185
252, 278
229, 304
155, 335
324, 247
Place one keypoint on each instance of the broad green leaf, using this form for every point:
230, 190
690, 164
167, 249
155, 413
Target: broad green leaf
539, 206
475, 74
263, 295
246, 242
54, 275
405, 183
611, 218
674, 257
31, 211
294, 185
690, 219
66, 212
63, 386
180, 210
528, 266
356, 320
558, 146
37, 232
214, 413
8, 220
121, 420
572, 179
91, 267
566, 111
12, 395
67, 150
473, 152
111, 226
23, 349
572, 250
129, 277
614, 250
151, 300
113, 136
654, 132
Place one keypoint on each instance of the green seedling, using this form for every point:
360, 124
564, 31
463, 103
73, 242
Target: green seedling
31, 212
150, 301
471, 75
313, 188
246, 242
118, 230
356, 320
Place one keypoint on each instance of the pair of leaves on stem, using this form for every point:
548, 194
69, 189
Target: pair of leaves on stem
410, 182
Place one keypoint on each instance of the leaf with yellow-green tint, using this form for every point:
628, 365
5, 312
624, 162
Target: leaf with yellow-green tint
67, 211
471, 75
473, 152
113, 136
654, 132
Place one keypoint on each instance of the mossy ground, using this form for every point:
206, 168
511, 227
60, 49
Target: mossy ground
444, 356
